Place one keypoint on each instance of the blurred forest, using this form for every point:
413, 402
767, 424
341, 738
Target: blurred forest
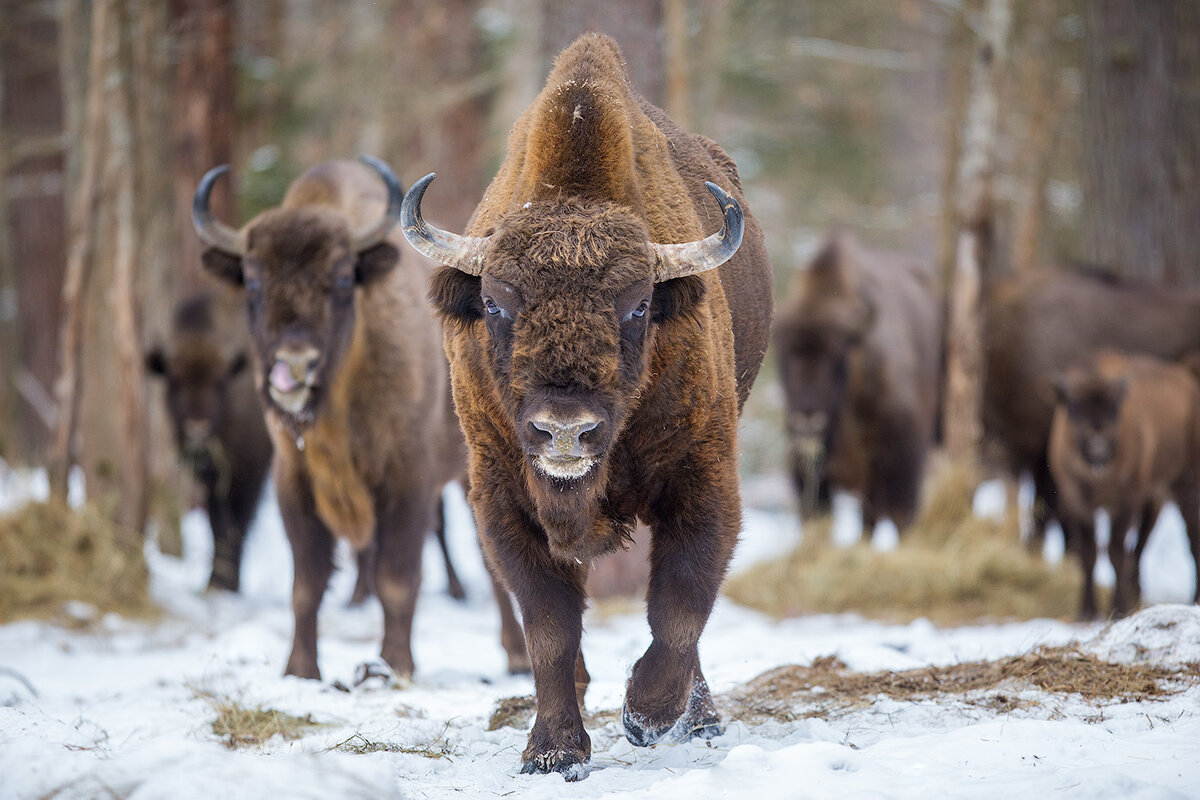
850, 113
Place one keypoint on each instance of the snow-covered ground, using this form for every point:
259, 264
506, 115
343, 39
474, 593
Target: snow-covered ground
120, 710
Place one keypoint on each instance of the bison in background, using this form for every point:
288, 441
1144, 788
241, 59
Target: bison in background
858, 342
1036, 326
218, 422
603, 336
1125, 438
354, 383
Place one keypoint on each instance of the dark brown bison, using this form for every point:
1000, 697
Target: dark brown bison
858, 344
354, 384
218, 422
1039, 324
601, 346
1125, 438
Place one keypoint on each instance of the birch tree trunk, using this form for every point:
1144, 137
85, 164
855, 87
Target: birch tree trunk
973, 210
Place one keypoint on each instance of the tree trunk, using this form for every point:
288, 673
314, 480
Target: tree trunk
1141, 138
203, 121
973, 208
32, 225
83, 216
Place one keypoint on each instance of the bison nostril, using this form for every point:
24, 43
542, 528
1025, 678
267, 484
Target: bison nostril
587, 431
540, 430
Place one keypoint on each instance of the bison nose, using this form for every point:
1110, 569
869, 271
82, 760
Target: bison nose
293, 368
567, 438
196, 431
808, 423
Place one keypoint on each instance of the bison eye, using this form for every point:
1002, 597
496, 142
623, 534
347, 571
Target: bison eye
494, 308
344, 282
638, 312
253, 285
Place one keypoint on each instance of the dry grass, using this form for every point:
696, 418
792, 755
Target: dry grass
361, 745
51, 555
241, 726
828, 688
513, 712
950, 566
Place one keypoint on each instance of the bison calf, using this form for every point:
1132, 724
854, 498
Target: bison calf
354, 382
218, 423
1125, 438
858, 341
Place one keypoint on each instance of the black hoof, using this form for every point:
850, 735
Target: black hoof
569, 766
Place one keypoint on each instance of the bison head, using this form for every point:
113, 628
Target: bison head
198, 372
1092, 404
814, 344
300, 266
568, 297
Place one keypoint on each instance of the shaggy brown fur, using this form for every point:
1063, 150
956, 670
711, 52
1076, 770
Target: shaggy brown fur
1125, 438
566, 322
218, 422
366, 442
1038, 325
858, 343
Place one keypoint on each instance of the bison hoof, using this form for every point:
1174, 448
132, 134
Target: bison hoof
698, 721
377, 674
569, 765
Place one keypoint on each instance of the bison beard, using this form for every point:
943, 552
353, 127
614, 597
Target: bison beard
602, 342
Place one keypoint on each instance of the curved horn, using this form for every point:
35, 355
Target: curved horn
464, 253
692, 258
375, 233
211, 231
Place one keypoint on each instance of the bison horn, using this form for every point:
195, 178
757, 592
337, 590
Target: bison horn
692, 258
464, 253
213, 232
372, 235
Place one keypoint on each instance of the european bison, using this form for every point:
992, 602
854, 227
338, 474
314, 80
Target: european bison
1125, 438
601, 347
1037, 325
858, 344
354, 384
218, 423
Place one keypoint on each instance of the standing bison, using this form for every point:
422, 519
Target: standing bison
218, 424
1039, 324
1125, 438
355, 387
601, 346
858, 343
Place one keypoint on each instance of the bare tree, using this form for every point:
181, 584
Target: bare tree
1141, 138
973, 212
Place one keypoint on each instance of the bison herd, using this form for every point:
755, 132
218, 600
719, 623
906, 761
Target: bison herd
578, 360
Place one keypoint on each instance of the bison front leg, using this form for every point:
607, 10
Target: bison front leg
667, 696
551, 597
312, 557
227, 543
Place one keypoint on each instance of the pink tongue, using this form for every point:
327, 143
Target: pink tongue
281, 377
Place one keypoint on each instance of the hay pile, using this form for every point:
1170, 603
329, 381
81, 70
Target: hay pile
950, 566
53, 558
828, 689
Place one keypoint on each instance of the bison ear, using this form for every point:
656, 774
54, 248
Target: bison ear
375, 262
223, 265
156, 362
456, 295
676, 297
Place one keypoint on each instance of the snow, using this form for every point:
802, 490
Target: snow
119, 710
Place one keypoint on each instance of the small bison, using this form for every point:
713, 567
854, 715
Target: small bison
1125, 438
603, 330
347, 355
858, 345
218, 421
1036, 326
